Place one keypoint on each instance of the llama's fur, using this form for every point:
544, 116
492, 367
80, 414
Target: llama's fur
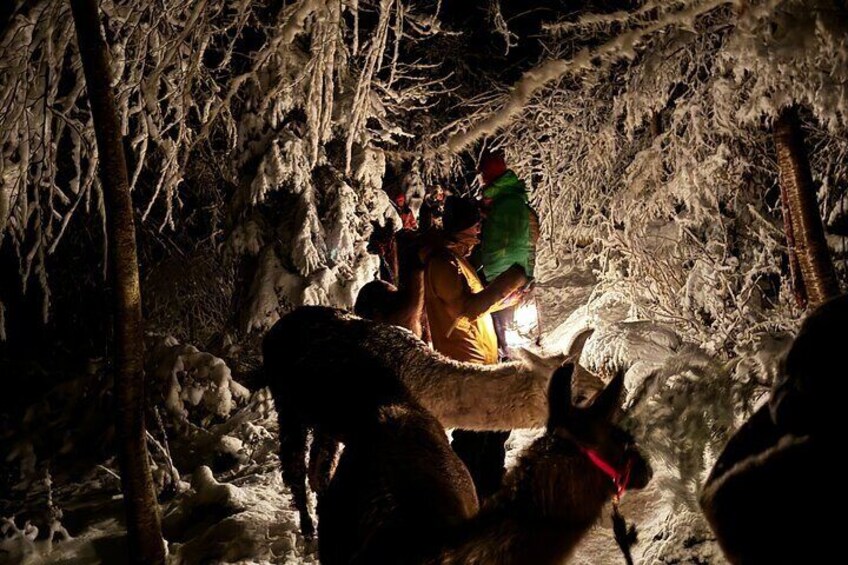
766, 495
400, 495
401, 305
382, 301
314, 349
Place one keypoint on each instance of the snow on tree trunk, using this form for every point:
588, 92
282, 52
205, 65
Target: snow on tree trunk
807, 231
143, 521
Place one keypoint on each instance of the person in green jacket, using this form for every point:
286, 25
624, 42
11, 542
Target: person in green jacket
510, 227
509, 232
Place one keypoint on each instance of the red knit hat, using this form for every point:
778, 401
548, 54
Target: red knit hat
492, 166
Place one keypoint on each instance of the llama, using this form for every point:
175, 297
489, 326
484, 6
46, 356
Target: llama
314, 350
401, 305
400, 494
770, 481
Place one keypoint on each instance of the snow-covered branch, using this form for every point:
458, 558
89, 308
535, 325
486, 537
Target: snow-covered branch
621, 46
655, 170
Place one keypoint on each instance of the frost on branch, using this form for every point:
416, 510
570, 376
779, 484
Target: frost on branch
265, 88
169, 96
192, 381
313, 170
657, 169
790, 52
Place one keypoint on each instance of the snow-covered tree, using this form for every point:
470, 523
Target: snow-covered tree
647, 138
263, 136
276, 91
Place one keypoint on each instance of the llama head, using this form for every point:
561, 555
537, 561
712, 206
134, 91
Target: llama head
592, 426
373, 298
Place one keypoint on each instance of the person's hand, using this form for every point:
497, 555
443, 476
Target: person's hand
520, 294
516, 296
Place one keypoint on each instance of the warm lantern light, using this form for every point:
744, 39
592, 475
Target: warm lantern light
524, 327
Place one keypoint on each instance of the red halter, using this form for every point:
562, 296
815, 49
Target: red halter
620, 479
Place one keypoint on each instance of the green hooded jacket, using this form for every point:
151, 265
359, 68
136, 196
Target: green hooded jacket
506, 237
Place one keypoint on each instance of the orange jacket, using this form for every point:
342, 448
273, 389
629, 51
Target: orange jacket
448, 280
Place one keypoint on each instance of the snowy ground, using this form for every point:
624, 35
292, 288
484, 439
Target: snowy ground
227, 502
245, 517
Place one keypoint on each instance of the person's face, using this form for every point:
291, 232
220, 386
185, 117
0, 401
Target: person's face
468, 238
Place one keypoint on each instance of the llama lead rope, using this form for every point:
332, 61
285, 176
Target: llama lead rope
625, 536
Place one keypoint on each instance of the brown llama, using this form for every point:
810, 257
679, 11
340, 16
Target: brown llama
318, 361
769, 493
400, 494
401, 305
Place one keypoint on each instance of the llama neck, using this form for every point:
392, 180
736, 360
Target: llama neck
476, 397
410, 298
555, 481
544, 509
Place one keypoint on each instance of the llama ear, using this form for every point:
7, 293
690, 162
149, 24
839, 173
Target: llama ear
579, 342
530, 359
609, 399
538, 363
559, 395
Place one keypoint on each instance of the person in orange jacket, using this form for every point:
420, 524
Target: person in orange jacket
459, 310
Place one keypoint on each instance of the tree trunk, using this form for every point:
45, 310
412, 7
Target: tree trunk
797, 281
144, 530
799, 198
